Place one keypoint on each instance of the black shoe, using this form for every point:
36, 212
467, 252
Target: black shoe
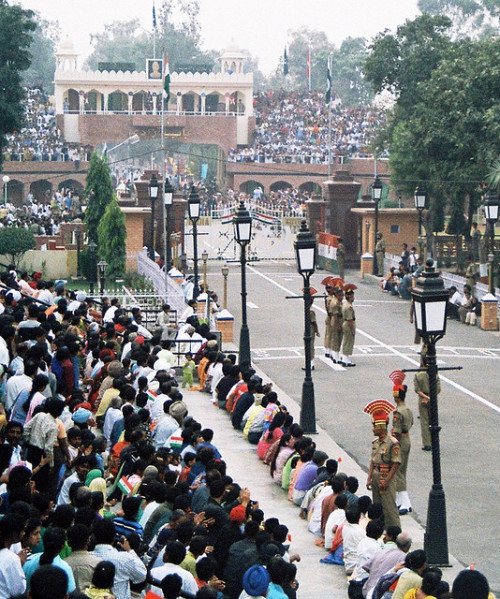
350, 365
333, 359
403, 512
427, 448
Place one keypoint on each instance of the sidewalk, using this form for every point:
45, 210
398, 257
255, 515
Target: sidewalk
248, 471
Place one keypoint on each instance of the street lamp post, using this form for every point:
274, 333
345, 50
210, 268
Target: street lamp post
153, 195
491, 205
78, 235
420, 198
305, 252
92, 249
5, 180
194, 215
225, 272
168, 200
102, 265
243, 233
429, 299
376, 195
204, 257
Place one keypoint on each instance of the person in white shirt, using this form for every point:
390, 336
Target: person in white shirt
12, 578
366, 549
166, 427
335, 519
18, 383
174, 555
352, 535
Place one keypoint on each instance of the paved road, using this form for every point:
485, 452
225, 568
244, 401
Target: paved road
469, 403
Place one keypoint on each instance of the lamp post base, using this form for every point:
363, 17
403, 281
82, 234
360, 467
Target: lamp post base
307, 409
435, 537
245, 357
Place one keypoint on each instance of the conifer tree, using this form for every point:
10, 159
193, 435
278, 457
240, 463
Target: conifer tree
98, 192
111, 240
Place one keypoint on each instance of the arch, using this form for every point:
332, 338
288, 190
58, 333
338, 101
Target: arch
94, 101
310, 187
117, 101
72, 185
41, 190
249, 186
15, 192
214, 102
279, 185
71, 101
191, 103
142, 101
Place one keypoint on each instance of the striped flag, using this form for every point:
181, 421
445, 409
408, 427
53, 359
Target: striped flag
328, 96
166, 80
285, 63
176, 442
124, 485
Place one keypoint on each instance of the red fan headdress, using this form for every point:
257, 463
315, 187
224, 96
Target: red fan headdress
379, 410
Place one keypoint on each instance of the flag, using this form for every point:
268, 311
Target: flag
166, 80
154, 16
328, 85
176, 442
285, 63
124, 485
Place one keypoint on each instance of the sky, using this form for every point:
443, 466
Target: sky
260, 26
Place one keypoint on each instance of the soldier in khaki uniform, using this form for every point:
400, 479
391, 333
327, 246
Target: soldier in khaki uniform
470, 272
341, 257
348, 326
329, 301
402, 421
384, 462
314, 330
421, 384
336, 323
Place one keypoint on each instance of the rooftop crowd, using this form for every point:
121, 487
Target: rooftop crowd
292, 127
111, 488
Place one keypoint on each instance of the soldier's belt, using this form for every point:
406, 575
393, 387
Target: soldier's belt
383, 467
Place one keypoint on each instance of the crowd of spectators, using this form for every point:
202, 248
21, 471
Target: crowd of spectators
292, 127
40, 138
111, 487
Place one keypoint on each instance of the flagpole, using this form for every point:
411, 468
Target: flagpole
163, 174
154, 30
330, 121
309, 64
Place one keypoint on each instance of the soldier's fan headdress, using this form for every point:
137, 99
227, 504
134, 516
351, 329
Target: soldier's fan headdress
379, 410
350, 287
398, 377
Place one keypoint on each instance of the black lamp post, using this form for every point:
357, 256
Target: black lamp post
430, 298
168, 200
153, 196
420, 198
194, 215
243, 233
305, 253
78, 235
101, 266
491, 205
376, 195
92, 249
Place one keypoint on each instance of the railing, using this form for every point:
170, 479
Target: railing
256, 210
158, 112
172, 293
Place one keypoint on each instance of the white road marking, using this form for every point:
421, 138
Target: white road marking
395, 352
333, 366
252, 306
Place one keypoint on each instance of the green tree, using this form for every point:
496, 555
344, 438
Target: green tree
16, 27
98, 193
15, 242
471, 18
112, 235
348, 80
127, 41
43, 63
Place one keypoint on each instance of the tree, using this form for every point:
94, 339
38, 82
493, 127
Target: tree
98, 192
112, 235
15, 242
43, 63
126, 41
16, 27
471, 18
348, 80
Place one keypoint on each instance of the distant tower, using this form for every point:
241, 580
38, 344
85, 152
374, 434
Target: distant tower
66, 56
232, 60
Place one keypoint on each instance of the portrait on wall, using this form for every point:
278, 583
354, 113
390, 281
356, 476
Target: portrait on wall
154, 69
